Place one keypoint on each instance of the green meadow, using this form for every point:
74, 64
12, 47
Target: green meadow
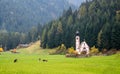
28, 63
58, 64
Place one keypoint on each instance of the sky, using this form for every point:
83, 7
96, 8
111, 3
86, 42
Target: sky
76, 2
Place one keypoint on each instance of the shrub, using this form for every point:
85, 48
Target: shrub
111, 52
1, 49
83, 52
60, 50
94, 50
75, 52
63, 47
71, 50
104, 51
13, 51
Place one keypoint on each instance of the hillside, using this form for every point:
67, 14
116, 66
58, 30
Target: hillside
21, 15
35, 48
98, 23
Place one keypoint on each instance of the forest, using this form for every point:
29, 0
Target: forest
10, 40
98, 23
21, 20
22, 15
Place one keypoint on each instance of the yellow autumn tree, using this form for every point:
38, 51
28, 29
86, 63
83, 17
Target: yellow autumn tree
94, 50
1, 49
71, 50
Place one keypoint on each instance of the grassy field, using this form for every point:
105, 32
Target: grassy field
28, 63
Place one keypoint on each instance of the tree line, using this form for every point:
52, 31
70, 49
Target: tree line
10, 40
98, 22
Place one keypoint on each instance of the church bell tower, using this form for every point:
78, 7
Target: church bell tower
77, 38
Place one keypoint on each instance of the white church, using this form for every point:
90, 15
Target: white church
81, 47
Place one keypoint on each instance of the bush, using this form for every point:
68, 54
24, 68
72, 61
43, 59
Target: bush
60, 50
71, 50
94, 50
111, 52
13, 51
1, 49
83, 52
104, 51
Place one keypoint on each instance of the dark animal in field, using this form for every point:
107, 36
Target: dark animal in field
15, 60
45, 60
39, 59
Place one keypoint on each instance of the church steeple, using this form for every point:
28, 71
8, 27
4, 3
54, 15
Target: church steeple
77, 42
77, 33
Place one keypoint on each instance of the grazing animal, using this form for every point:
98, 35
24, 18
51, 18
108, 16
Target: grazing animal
15, 60
39, 59
45, 60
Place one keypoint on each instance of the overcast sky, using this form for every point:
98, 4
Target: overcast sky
76, 2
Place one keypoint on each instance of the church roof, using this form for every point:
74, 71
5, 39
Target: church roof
84, 44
